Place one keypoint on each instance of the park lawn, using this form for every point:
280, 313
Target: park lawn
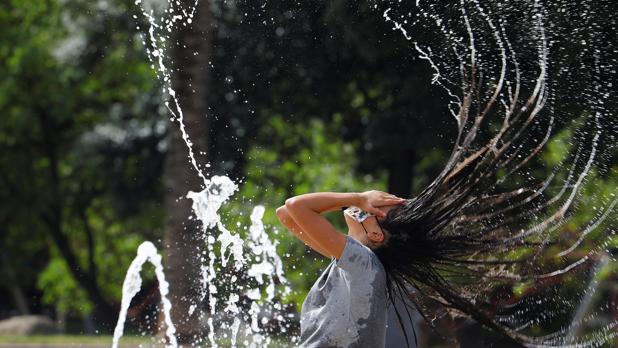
103, 341
74, 339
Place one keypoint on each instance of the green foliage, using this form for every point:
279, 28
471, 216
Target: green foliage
60, 289
586, 223
61, 170
558, 148
116, 242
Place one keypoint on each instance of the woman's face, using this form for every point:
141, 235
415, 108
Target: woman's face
374, 235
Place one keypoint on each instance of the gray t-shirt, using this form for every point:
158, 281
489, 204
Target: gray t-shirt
347, 306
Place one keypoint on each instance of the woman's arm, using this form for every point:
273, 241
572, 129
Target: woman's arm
289, 222
305, 209
321, 234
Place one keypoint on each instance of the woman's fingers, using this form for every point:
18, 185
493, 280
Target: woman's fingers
377, 212
380, 198
400, 200
390, 195
390, 201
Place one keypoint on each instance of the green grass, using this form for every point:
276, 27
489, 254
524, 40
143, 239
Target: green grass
74, 340
102, 341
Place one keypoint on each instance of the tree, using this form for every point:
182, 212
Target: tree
183, 240
62, 173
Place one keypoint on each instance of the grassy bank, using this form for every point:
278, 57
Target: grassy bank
75, 341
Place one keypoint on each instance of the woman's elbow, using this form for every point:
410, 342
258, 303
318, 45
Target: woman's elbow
290, 202
282, 214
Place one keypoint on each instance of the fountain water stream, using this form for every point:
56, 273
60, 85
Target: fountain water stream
146, 252
263, 263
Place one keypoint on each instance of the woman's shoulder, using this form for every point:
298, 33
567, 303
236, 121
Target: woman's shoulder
357, 257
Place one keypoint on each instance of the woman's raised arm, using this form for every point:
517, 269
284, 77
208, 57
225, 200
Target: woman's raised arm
305, 209
315, 230
288, 221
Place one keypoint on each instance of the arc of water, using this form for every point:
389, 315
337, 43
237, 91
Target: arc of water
146, 252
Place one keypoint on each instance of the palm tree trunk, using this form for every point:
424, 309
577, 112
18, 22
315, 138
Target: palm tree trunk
183, 241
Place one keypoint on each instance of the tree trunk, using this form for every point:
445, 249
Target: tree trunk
400, 175
104, 312
16, 291
183, 243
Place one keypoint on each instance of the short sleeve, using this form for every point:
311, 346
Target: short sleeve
356, 258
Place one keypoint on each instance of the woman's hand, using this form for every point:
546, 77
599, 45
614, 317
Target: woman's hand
371, 200
306, 211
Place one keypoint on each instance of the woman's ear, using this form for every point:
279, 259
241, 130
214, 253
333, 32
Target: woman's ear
376, 236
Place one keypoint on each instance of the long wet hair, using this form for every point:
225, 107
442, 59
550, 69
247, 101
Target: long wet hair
492, 218
445, 244
453, 243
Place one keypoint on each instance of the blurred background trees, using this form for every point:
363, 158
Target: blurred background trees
80, 156
289, 98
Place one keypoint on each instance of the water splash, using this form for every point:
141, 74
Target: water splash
487, 56
146, 252
257, 261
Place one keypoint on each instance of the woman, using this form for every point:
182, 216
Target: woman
452, 244
347, 305
484, 239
